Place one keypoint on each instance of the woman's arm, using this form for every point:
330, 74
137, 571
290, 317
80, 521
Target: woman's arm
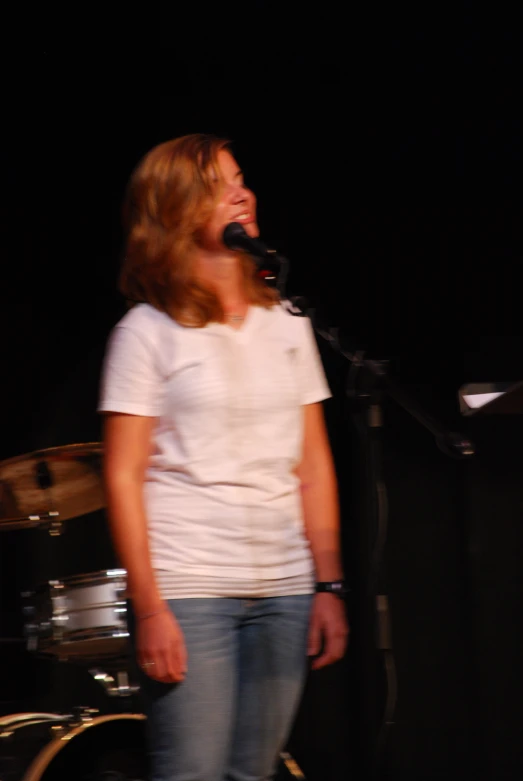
126, 451
329, 627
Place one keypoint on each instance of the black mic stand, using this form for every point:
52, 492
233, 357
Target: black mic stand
368, 382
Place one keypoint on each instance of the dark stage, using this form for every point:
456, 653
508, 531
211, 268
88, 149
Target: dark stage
385, 152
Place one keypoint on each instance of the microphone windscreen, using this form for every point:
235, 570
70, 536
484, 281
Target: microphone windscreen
234, 236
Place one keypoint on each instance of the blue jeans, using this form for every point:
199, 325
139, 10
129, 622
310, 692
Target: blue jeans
231, 716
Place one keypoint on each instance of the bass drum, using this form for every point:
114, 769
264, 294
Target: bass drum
49, 747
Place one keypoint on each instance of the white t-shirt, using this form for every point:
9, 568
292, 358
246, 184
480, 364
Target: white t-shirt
222, 501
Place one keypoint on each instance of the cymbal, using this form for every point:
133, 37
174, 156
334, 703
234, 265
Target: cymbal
64, 482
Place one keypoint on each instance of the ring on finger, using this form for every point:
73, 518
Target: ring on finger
148, 664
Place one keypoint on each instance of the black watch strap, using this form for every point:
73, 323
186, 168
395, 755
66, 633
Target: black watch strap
337, 587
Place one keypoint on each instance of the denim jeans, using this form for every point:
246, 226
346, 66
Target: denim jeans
231, 716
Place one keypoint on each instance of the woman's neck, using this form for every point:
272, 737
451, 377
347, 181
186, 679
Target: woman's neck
225, 278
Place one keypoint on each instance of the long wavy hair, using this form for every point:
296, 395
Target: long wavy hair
169, 199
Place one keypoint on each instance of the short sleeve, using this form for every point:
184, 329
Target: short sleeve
131, 381
313, 383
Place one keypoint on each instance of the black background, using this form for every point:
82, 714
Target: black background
384, 146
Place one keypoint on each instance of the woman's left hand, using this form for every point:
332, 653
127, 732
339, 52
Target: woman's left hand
328, 630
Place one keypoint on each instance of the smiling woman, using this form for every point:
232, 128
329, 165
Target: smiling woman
221, 491
178, 202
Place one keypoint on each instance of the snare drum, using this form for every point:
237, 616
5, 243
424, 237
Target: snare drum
52, 747
81, 617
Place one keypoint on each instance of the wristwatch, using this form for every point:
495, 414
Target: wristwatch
337, 587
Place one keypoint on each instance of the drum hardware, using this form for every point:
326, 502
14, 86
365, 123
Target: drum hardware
34, 629
55, 526
48, 521
115, 688
9, 724
82, 715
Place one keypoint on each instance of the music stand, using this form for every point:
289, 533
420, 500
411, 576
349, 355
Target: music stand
491, 569
491, 398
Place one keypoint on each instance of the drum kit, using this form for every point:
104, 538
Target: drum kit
79, 620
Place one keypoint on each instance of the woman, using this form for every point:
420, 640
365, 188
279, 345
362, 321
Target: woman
221, 491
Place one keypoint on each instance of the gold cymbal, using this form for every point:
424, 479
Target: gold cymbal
66, 480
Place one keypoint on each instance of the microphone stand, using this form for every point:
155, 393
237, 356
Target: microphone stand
376, 383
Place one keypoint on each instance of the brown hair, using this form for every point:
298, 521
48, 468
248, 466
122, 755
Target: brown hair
169, 198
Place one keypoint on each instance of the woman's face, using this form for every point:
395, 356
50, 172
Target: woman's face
235, 203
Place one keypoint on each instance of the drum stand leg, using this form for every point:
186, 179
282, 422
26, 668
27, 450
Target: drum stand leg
115, 687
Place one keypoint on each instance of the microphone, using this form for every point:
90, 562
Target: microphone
236, 238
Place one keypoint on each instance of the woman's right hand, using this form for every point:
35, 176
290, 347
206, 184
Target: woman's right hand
160, 647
